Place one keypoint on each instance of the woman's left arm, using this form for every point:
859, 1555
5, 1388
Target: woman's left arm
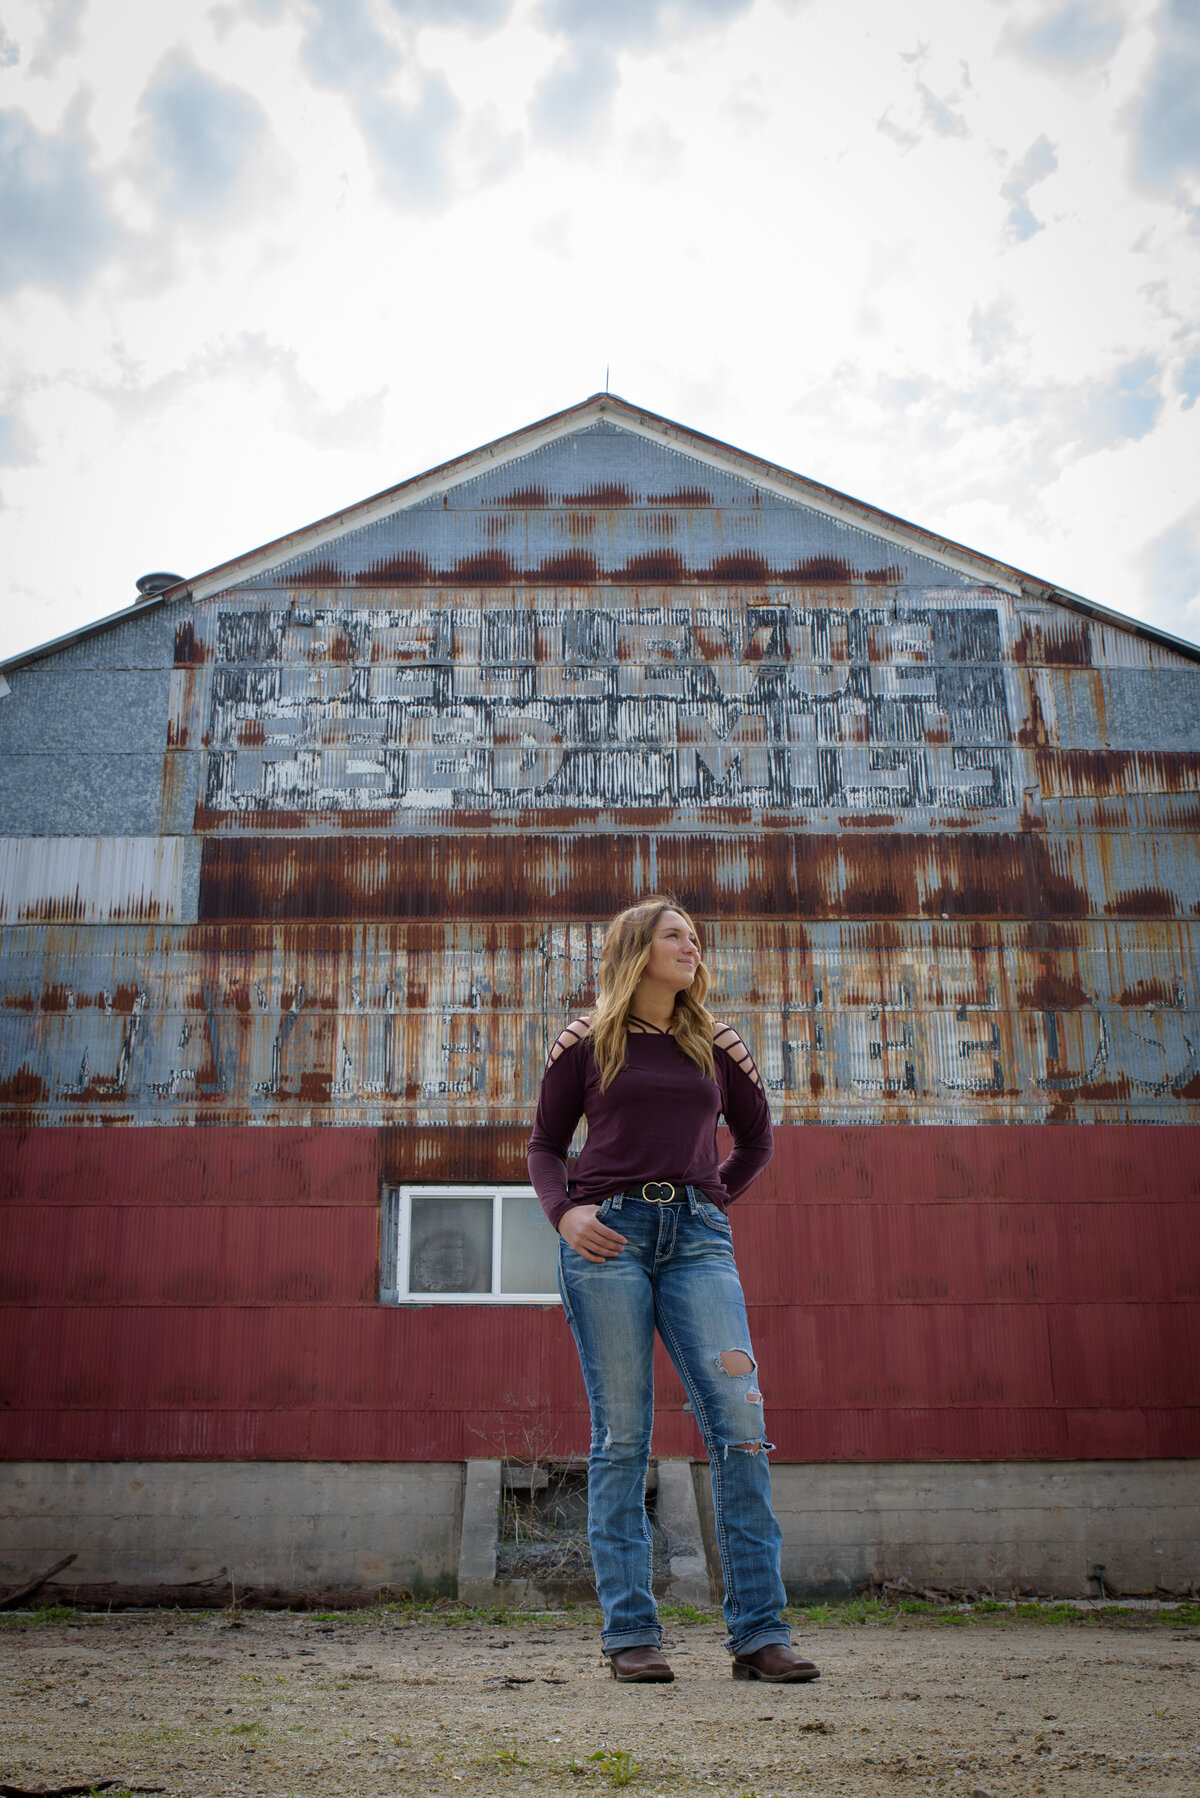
746, 1111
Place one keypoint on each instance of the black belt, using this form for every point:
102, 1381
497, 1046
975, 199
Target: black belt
659, 1192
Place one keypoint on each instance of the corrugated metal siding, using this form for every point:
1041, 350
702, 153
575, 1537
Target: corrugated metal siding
90, 880
417, 1022
1032, 1294
346, 870
605, 504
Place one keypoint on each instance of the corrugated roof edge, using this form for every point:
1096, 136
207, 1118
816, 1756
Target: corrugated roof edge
650, 424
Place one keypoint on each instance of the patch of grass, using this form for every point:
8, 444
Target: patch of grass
688, 1613
840, 1612
509, 1757
926, 1613
1050, 1613
617, 1765
402, 1613
245, 1729
41, 1615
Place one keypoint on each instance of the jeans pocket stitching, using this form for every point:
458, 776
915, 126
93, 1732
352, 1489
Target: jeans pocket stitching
715, 1218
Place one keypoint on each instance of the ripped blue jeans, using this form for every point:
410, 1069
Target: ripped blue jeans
677, 1274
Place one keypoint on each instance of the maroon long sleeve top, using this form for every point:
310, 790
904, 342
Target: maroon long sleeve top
657, 1121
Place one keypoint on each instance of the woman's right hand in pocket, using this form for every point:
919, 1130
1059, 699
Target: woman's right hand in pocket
581, 1229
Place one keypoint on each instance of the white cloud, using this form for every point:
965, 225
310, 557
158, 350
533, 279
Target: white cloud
61, 36
55, 224
1038, 161
993, 328
201, 138
1067, 36
389, 258
482, 14
1172, 565
10, 449
1189, 382
406, 114
344, 48
634, 23
1166, 116
573, 99
938, 112
1125, 407
250, 362
409, 143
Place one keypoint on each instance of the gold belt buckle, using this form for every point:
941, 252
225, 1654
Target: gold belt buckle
658, 1192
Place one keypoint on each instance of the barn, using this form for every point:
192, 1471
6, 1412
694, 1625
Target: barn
303, 864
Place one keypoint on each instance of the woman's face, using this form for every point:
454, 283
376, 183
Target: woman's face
674, 953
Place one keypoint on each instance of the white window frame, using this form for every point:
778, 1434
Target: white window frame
397, 1241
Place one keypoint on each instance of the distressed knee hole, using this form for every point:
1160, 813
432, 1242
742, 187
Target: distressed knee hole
745, 1448
736, 1361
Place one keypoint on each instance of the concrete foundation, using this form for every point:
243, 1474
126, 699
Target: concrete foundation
679, 1518
344, 1533
480, 1528
1041, 1526
206, 1532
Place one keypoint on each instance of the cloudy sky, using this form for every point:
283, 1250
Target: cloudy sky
261, 258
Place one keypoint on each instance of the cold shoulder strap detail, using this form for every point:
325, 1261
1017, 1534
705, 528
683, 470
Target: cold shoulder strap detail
575, 1032
726, 1038
640, 1027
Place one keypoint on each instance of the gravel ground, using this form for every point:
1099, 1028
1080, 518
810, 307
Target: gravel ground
266, 1704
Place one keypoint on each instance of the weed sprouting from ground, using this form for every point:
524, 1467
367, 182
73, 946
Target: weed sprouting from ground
509, 1758
617, 1765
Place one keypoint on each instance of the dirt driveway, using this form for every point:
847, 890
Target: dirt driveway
397, 1702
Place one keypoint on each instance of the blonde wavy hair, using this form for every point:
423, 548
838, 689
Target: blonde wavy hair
622, 963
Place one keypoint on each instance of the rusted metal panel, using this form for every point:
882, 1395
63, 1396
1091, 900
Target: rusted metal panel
418, 710
427, 1023
892, 874
606, 504
88, 880
421, 712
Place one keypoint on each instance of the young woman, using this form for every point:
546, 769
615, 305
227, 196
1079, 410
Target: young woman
645, 1245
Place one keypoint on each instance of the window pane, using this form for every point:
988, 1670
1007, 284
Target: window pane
451, 1245
528, 1247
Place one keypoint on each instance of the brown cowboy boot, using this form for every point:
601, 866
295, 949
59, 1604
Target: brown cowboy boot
777, 1664
640, 1666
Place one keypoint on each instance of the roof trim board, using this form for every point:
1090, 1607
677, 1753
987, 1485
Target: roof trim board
708, 451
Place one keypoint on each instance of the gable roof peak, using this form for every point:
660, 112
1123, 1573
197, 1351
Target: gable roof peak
614, 412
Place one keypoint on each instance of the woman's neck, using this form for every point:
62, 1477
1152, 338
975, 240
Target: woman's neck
653, 1004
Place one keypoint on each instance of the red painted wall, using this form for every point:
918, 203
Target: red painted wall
993, 1291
